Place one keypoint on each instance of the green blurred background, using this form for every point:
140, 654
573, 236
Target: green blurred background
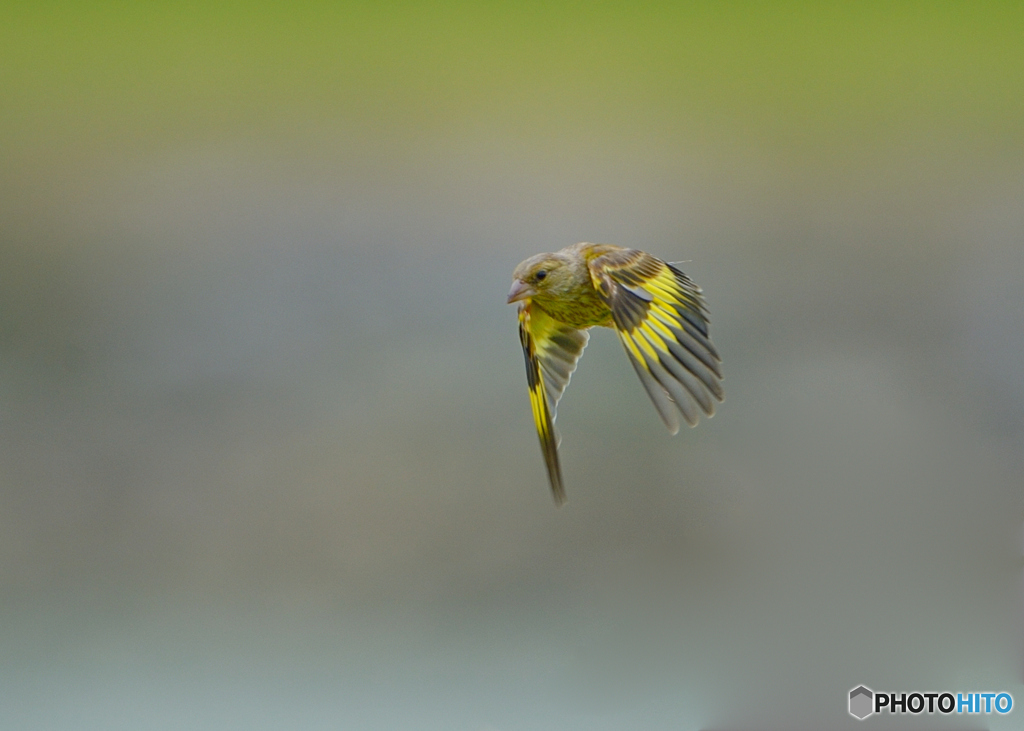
266, 458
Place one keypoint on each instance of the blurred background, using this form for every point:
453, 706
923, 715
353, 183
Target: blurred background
266, 456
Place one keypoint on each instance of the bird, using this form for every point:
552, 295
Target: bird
658, 313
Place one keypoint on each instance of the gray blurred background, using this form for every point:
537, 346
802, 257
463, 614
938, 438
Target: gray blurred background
266, 457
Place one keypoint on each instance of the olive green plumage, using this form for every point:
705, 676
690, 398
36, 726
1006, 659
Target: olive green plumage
658, 313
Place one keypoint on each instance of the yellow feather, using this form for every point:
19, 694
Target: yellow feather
642, 342
652, 336
628, 342
657, 324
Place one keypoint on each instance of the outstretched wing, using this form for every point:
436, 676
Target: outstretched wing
661, 319
551, 349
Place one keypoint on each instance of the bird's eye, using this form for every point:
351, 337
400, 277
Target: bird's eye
540, 275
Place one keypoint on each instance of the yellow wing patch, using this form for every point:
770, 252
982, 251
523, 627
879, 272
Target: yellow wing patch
661, 318
551, 350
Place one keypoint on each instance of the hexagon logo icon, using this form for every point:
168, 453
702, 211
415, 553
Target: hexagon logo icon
861, 702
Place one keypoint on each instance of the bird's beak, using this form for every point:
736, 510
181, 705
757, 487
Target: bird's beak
520, 291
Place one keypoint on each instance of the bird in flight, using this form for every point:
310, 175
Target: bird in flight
657, 312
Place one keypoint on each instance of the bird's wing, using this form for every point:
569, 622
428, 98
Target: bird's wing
661, 319
551, 349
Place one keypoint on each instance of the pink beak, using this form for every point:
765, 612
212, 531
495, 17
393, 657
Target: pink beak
520, 291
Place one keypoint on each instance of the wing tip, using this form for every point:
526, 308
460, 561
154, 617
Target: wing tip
558, 493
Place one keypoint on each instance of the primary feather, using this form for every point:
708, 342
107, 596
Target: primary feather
658, 313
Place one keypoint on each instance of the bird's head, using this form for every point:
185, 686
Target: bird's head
544, 276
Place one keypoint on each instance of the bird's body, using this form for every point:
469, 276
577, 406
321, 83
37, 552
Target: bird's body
657, 312
567, 291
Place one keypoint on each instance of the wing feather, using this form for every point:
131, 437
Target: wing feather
551, 350
661, 318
